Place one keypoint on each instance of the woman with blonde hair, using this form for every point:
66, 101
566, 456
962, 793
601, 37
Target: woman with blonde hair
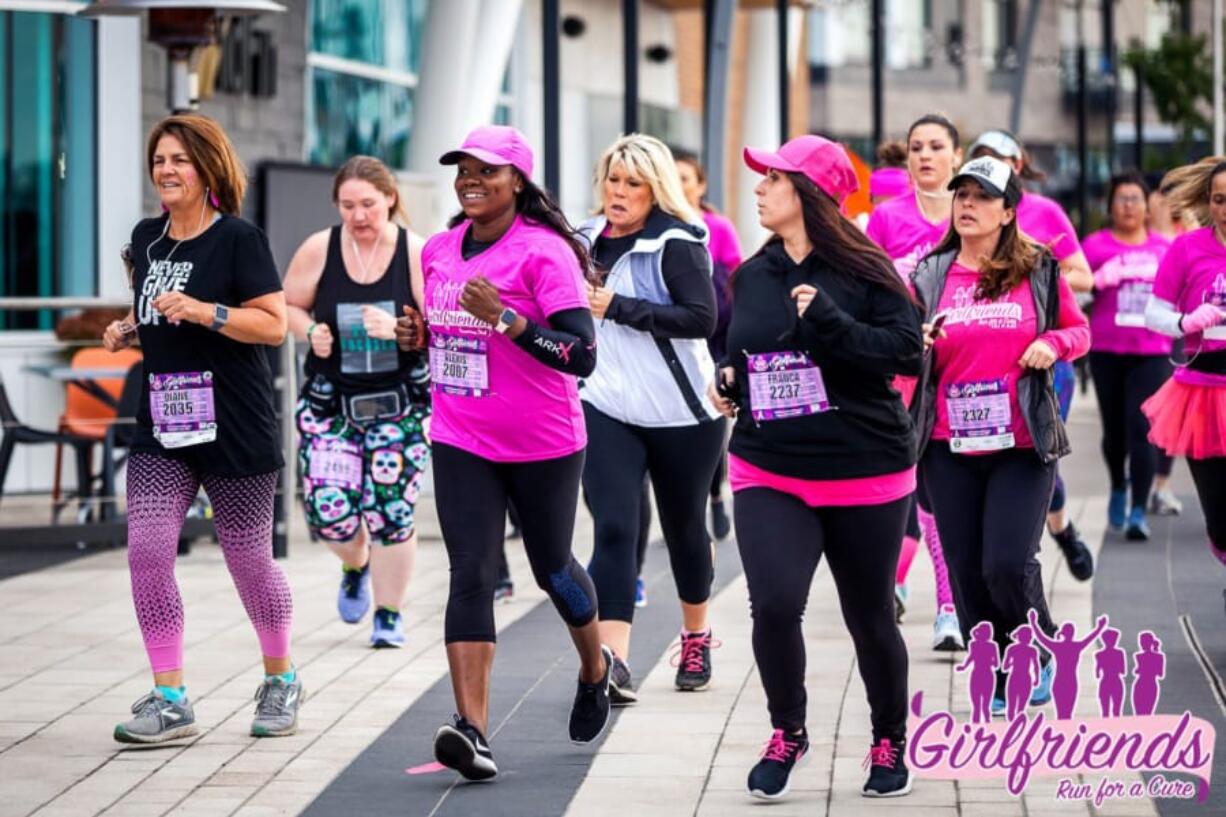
364, 404
646, 404
207, 299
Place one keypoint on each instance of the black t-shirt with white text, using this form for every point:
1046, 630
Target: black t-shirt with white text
213, 396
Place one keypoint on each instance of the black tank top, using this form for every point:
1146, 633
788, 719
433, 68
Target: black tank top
360, 363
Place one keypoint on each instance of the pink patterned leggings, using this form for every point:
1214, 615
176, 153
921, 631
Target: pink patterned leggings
160, 490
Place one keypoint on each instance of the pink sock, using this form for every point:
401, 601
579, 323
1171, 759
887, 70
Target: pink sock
928, 524
910, 545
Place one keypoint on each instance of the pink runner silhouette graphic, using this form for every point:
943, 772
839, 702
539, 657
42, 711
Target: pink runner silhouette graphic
1148, 667
1022, 663
1110, 667
983, 659
1066, 652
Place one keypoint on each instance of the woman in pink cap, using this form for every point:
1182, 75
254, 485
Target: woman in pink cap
822, 458
989, 428
1187, 415
907, 228
509, 332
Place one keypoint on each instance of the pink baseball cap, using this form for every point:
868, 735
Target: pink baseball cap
823, 162
494, 145
889, 181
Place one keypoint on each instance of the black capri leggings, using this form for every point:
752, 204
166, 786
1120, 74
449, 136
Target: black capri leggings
990, 511
680, 461
1123, 383
471, 494
781, 540
1209, 476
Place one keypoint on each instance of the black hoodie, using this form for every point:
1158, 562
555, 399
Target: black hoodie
859, 334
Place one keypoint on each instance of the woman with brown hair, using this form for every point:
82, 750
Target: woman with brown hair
999, 316
207, 301
822, 458
364, 405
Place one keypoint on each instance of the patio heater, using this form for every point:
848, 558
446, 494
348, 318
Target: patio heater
180, 26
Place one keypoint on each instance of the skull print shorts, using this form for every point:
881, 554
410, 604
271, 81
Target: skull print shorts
353, 474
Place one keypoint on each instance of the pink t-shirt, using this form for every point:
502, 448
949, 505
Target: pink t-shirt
1046, 222
899, 228
1117, 321
491, 398
976, 364
1193, 272
723, 244
821, 493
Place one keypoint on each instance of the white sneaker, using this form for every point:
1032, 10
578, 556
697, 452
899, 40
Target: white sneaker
946, 632
1164, 503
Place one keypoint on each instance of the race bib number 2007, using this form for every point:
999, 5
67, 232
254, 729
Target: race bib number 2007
459, 365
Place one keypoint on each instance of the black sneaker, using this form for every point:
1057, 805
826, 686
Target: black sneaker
694, 662
888, 775
769, 779
621, 687
721, 525
1076, 553
459, 745
589, 717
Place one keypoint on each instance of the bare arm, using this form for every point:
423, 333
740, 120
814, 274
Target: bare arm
302, 281
1076, 269
417, 281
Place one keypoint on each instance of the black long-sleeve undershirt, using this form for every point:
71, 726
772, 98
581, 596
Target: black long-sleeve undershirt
567, 345
686, 268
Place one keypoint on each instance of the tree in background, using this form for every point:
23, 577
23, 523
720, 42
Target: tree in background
1179, 77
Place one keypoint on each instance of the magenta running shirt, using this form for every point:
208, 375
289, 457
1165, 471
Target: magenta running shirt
1117, 319
491, 398
722, 243
899, 228
976, 364
1046, 222
1193, 272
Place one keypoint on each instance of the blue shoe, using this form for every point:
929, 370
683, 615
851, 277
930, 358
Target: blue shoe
640, 593
998, 707
1041, 694
388, 629
1138, 528
354, 598
1117, 510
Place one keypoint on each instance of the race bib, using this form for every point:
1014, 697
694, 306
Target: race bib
980, 417
784, 384
459, 365
181, 405
336, 462
1130, 308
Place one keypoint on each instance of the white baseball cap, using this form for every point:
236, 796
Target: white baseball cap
993, 175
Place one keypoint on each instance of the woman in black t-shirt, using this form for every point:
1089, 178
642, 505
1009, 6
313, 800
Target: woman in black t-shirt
207, 300
364, 405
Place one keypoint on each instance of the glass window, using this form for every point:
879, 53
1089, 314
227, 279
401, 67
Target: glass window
47, 163
351, 114
386, 33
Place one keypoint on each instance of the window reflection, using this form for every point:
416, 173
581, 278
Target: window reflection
386, 33
354, 115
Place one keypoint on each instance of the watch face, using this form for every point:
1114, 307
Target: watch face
507, 317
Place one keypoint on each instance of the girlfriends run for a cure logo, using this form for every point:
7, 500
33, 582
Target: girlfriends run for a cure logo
995, 314
1025, 744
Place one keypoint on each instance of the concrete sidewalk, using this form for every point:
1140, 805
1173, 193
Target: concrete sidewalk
71, 663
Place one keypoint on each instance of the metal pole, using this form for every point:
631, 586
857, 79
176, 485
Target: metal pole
630, 66
1109, 72
1083, 154
1219, 123
719, 16
878, 56
785, 86
1138, 118
551, 92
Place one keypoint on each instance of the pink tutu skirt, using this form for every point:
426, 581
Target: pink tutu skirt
1188, 419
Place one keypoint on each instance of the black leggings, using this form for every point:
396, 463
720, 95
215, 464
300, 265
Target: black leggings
471, 494
680, 461
990, 511
1209, 476
781, 540
1123, 383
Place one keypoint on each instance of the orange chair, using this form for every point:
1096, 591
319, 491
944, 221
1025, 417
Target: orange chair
85, 415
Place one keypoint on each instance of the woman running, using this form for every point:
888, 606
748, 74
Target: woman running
208, 301
822, 458
725, 250
989, 428
1045, 221
508, 332
364, 405
907, 228
1128, 361
1187, 415
645, 405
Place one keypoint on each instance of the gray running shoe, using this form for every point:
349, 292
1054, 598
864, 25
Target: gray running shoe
621, 686
157, 720
276, 707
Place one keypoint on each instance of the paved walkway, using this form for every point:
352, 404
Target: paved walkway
71, 663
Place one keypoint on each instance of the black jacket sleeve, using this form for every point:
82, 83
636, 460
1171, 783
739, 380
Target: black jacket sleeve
692, 314
568, 344
888, 342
